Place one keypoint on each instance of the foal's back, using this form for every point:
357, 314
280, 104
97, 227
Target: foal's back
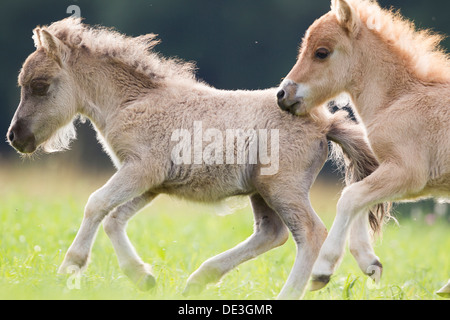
298, 145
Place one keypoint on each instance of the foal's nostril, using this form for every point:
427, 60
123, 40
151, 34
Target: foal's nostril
10, 136
281, 94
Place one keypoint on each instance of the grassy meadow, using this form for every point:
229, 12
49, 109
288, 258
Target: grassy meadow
41, 209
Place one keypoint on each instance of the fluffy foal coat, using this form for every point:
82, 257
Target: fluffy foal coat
136, 100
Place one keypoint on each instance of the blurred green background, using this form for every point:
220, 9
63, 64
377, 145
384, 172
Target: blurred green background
236, 44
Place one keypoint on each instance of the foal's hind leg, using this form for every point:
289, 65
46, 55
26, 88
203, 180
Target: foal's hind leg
308, 231
269, 232
114, 225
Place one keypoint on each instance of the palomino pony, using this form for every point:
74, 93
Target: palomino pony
399, 81
146, 111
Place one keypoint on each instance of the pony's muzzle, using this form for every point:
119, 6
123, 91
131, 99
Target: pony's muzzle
291, 106
288, 99
21, 138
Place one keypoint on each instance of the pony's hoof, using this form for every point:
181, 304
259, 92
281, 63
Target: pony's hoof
192, 289
146, 283
141, 276
70, 266
318, 282
374, 271
444, 292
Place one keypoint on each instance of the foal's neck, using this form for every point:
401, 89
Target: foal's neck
106, 85
380, 78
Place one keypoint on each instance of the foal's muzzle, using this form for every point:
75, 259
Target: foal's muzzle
288, 97
21, 138
287, 104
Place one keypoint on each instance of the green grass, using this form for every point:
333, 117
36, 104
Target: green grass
41, 210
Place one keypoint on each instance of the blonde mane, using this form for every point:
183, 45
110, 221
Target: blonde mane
421, 48
132, 51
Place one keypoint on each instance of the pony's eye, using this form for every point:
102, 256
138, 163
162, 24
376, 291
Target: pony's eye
39, 88
322, 53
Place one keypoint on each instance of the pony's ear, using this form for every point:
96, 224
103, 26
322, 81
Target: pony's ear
346, 15
37, 37
54, 47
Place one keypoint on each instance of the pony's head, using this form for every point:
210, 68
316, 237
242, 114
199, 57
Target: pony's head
358, 40
324, 61
47, 107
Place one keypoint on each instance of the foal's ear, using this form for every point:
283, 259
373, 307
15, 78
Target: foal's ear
346, 15
37, 37
54, 47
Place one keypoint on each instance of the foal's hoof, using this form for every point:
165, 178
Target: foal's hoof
374, 271
141, 276
444, 292
146, 283
192, 289
318, 282
71, 267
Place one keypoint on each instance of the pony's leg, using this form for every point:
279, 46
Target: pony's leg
269, 232
115, 227
389, 182
123, 186
309, 233
360, 245
444, 291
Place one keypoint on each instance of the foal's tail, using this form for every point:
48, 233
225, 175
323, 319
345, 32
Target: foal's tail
354, 153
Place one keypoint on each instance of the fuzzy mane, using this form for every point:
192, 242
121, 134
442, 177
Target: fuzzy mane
421, 48
132, 51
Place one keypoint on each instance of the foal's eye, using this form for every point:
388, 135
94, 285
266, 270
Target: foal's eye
39, 88
322, 53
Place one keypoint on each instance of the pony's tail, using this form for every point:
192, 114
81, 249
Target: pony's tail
352, 151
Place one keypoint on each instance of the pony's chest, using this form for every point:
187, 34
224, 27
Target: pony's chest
108, 149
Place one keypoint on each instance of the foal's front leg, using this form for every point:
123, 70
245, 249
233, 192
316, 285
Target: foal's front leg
389, 182
122, 187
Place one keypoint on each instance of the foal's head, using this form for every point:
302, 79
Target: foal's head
48, 105
358, 39
324, 62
